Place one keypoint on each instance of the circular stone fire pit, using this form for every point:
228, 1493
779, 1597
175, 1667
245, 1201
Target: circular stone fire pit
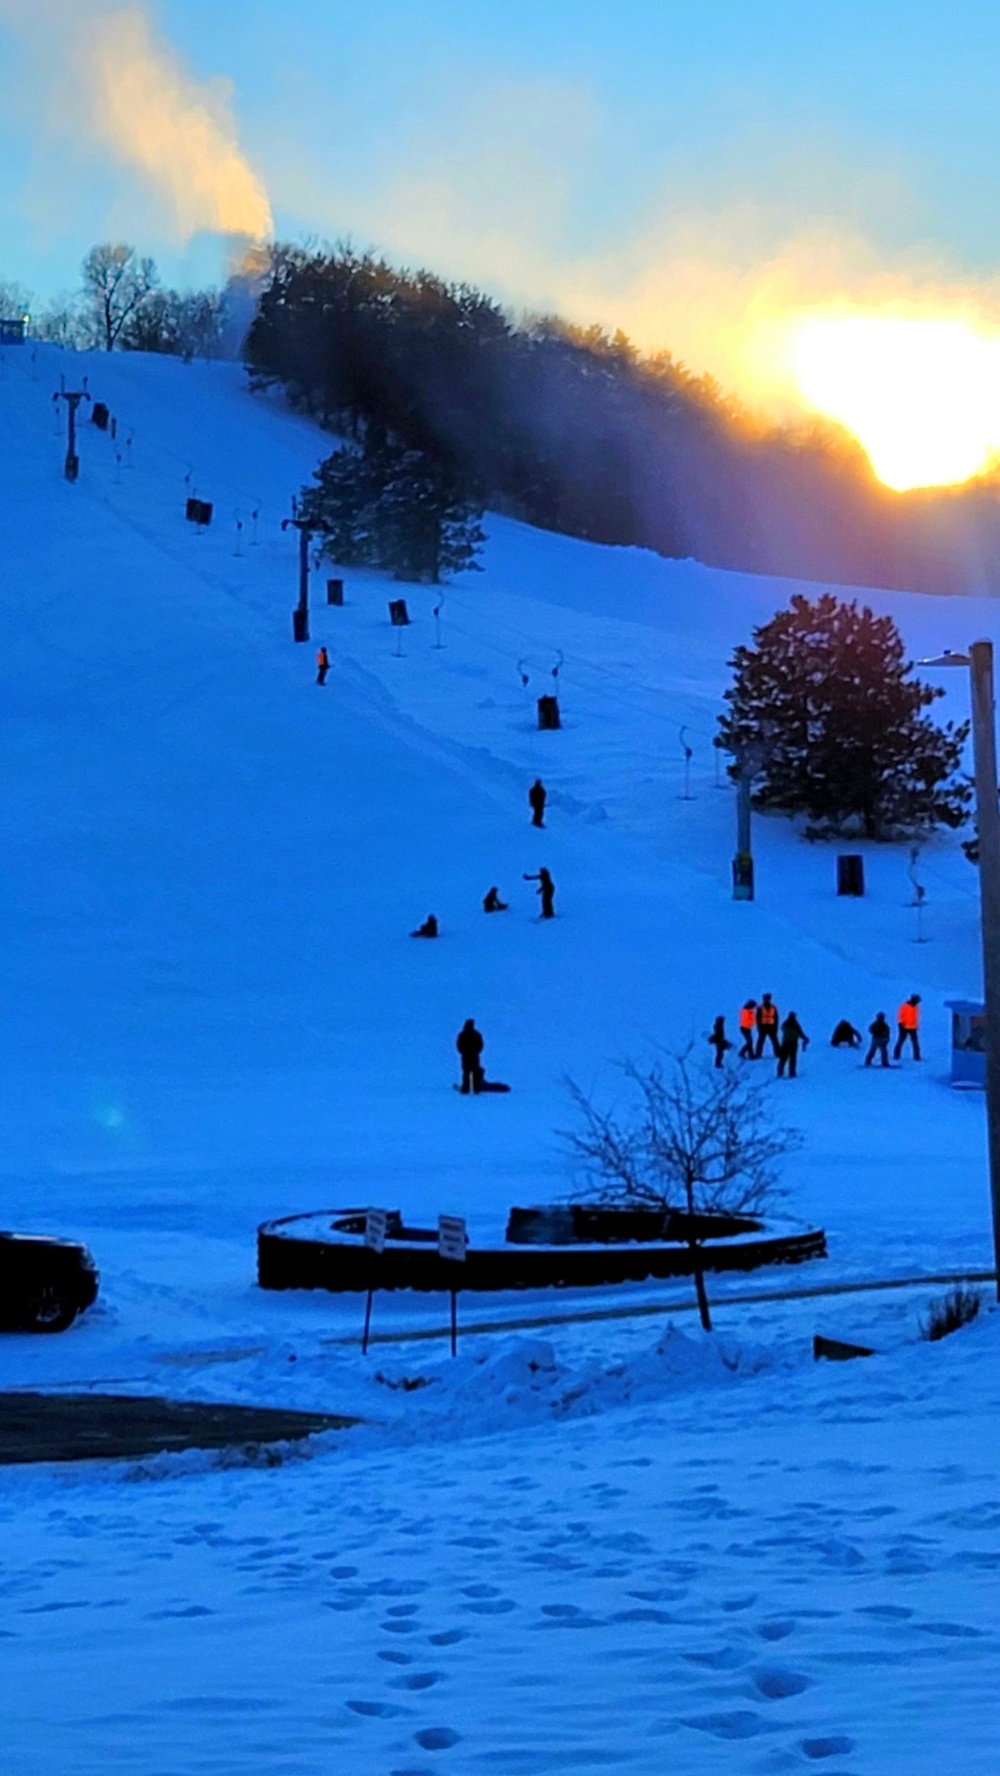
571, 1247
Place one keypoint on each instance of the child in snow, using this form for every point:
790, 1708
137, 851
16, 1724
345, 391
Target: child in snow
493, 903
748, 1027
719, 1040
845, 1036
879, 1032
429, 928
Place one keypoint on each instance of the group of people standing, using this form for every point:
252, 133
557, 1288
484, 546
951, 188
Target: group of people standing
762, 1027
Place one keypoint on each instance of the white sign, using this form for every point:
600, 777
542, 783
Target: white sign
453, 1238
376, 1228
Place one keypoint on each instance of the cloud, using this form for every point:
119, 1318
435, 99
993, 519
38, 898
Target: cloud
106, 75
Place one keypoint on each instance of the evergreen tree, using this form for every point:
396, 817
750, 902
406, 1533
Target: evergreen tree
824, 698
400, 509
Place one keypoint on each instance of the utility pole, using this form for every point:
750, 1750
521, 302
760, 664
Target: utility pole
300, 615
979, 660
72, 398
988, 815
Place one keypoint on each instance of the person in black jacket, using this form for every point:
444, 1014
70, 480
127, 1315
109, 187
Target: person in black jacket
845, 1036
536, 801
719, 1040
492, 902
469, 1043
547, 890
792, 1034
880, 1033
429, 928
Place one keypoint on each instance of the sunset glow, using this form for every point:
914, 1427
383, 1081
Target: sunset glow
921, 395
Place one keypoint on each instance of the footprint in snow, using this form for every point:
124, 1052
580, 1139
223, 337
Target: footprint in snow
776, 1682
833, 1745
437, 1738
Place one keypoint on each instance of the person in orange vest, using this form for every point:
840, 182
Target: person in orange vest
908, 1027
322, 666
767, 1026
748, 1026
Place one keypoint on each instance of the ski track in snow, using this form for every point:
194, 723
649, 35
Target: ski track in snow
616, 1546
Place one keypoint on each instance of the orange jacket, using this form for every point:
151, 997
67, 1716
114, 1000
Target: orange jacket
748, 1017
767, 1017
322, 658
909, 1016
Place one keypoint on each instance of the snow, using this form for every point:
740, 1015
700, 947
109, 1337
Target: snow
213, 1015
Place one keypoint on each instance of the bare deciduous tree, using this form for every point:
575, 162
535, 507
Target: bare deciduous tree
116, 282
697, 1140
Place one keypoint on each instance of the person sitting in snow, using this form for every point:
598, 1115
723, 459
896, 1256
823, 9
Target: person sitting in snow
429, 928
845, 1036
493, 903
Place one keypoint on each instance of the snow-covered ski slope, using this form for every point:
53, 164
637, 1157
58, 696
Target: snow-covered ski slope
212, 1012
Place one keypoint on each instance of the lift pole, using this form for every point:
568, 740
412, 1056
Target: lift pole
72, 398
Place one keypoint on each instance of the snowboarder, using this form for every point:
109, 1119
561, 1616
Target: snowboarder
536, 801
493, 903
322, 666
879, 1032
908, 1027
845, 1036
547, 892
792, 1034
469, 1043
429, 928
748, 1025
719, 1040
767, 1026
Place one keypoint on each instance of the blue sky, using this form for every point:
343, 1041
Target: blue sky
546, 150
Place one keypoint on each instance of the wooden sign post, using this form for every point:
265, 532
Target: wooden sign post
453, 1243
376, 1227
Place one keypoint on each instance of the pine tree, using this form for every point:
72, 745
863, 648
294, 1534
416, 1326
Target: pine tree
825, 702
399, 509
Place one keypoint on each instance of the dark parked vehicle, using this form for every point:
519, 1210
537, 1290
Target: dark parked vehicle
44, 1283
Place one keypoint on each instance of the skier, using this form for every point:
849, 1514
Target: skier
879, 1032
429, 928
547, 891
748, 1024
536, 801
719, 1040
469, 1043
767, 1025
493, 903
908, 1027
845, 1036
792, 1034
322, 666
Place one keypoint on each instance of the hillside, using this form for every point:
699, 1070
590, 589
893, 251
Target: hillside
213, 1013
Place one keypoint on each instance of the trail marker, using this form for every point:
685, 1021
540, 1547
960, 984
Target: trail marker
376, 1229
453, 1244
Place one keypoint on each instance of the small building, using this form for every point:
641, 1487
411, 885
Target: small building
968, 1041
13, 329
